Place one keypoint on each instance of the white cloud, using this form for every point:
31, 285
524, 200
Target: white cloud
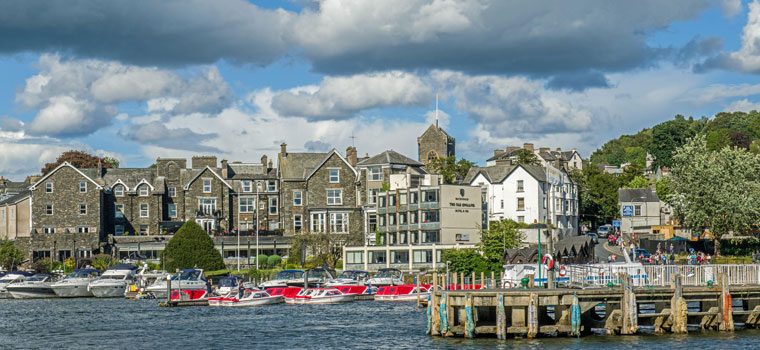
343, 97
720, 92
66, 116
743, 105
23, 155
747, 58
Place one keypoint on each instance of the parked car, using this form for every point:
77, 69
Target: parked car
594, 237
604, 230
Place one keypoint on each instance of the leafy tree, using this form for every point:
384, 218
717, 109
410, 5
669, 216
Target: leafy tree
755, 147
527, 157
191, 247
103, 261
263, 260
717, 190
499, 236
669, 136
80, 159
717, 139
10, 255
274, 260
638, 182
322, 248
636, 155
598, 195
663, 187
450, 169
466, 261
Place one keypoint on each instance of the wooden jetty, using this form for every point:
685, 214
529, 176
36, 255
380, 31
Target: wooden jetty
622, 309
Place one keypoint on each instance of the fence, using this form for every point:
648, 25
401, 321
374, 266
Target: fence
599, 275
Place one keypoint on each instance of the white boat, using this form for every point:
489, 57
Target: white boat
349, 278
113, 283
315, 277
321, 296
37, 286
230, 284
74, 285
386, 277
406, 292
12, 277
251, 297
282, 278
188, 279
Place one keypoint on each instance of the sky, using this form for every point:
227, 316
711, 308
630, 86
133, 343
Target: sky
137, 80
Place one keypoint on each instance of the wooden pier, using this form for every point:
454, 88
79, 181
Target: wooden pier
621, 309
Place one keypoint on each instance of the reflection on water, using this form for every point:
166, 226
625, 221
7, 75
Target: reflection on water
101, 323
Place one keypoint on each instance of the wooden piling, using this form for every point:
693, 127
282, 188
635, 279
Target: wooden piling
472, 280
678, 307
419, 302
461, 278
435, 326
449, 316
628, 307
727, 305
493, 282
455, 281
533, 325
469, 324
501, 317
482, 279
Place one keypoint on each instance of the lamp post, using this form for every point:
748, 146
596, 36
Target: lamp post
238, 233
539, 226
258, 188
446, 287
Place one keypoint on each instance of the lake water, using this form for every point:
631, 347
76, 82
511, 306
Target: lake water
129, 324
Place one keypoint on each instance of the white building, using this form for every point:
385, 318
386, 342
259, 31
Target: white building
529, 194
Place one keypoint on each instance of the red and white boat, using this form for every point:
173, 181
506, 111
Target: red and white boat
251, 297
188, 295
321, 296
404, 292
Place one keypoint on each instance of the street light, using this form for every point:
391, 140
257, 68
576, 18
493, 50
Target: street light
538, 226
446, 287
238, 233
258, 188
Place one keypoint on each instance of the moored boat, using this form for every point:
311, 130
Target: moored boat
349, 278
185, 280
251, 297
113, 282
386, 277
11, 277
281, 279
321, 296
315, 277
37, 286
75, 284
405, 292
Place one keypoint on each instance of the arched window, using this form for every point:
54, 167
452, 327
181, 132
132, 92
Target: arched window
432, 155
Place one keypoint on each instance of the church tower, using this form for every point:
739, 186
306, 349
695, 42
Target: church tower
435, 143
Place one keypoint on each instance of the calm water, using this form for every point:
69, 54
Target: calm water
126, 324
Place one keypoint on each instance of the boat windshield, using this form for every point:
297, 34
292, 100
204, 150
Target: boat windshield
187, 275
9, 278
317, 273
388, 274
82, 274
289, 275
112, 277
37, 278
228, 282
354, 275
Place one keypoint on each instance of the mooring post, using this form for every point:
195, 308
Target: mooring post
455, 281
472, 280
469, 324
169, 289
678, 308
727, 305
461, 277
430, 314
435, 327
501, 317
628, 308
493, 282
419, 302
449, 316
533, 316
482, 279
575, 318
443, 314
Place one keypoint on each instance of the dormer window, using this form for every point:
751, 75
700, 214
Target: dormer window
118, 191
48, 187
143, 191
247, 186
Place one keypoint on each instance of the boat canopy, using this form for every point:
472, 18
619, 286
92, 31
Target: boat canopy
188, 275
289, 274
354, 274
40, 277
83, 273
385, 273
123, 267
230, 281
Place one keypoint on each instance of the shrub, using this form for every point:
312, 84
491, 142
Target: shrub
10, 255
274, 260
191, 247
103, 261
263, 260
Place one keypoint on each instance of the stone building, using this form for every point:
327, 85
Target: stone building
435, 143
16, 216
256, 195
558, 158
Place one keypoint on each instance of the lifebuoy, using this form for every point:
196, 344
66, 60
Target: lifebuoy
548, 260
562, 271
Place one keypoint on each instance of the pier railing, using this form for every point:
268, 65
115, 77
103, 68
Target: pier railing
598, 275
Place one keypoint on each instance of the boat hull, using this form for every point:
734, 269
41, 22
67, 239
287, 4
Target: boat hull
402, 297
32, 292
333, 299
108, 291
71, 290
252, 302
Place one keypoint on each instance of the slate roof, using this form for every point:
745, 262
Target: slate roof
389, 157
239, 171
16, 197
299, 165
436, 128
637, 195
129, 176
494, 174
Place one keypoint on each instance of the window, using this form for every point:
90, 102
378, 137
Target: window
171, 208
83, 229
49, 209
430, 216
413, 217
392, 220
372, 196
637, 210
144, 230
49, 230
271, 185
381, 220
392, 200
83, 209
297, 198
402, 238
339, 222
400, 257
429, 196
462, 237
334, 197
318, 222
376, 257
207, 206
520, 186
354, 257
413, 198
144, 209
520, 219
172, 191
206, 185
297, 222
48, 187
143, 190
375, 173
82, 186
334, 176
423, 256
118, 191
247, 204
247, 186
118, 230
430, 237
520, 203
402, 218
272, 205
502, 204
119, 211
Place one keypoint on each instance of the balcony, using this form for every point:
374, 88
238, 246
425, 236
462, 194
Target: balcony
413, 206
430, 205
430, 226
382, 210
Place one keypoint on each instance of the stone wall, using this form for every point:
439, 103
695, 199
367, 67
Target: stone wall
317, 186
66, 200
219, 191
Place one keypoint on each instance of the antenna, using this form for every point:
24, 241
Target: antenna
436, 109
353, 140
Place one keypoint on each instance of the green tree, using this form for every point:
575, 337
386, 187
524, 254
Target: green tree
80, 159
191, 247
638, 182
598, 195
717, 190
10, 255
466, 261
450, 169
667, 137
499, 236
754, 147
636, 155
663, 187
103, 261
274, 260
263, 260
527, 157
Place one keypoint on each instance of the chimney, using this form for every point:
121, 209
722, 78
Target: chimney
269, 165
528, 146
351, 155
284, 149
543, 149
225, 169
200, 162
264, 161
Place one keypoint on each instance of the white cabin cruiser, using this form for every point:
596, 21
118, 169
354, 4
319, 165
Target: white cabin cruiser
386, 277
315, 277
281, 279
251, 297
349, 278
232, 284
74, 285
11, 277
37, 286
114, 282
321, 296
187, 279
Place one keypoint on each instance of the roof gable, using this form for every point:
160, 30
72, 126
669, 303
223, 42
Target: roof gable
64, 164
192, 179
330, 154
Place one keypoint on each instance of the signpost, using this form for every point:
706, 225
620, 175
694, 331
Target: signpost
627, 210
616, 223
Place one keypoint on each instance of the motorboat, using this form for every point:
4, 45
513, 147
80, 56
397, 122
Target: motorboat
113, 282
251, 297
285, 292
321, 296
281, 279
405, 292
189, 295
386, 277
11, 277
36, 286
144, 279
75, 284
232, 284
187, 279
349, 278
315, 277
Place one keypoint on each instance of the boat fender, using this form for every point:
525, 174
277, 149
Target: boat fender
562, 271
548, 260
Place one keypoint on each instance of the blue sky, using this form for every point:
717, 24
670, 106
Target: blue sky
237, 78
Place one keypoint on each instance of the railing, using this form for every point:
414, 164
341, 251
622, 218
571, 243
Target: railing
599, 275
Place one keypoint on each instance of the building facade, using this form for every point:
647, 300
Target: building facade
435, 143
640, 209
567, 160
